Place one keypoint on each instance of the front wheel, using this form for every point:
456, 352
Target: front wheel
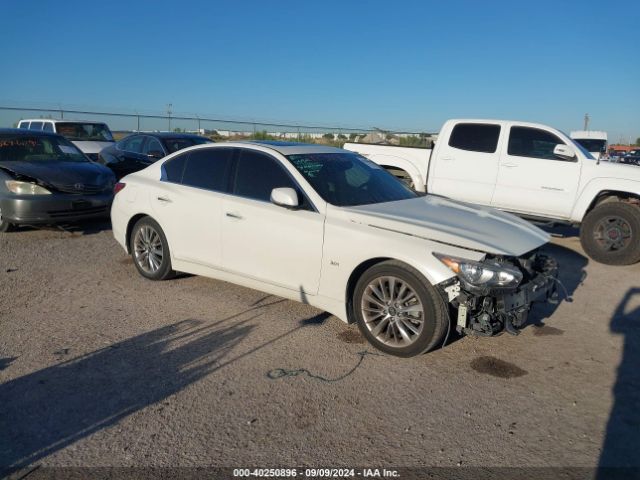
150, 250
398, 311
5, 226
610, 233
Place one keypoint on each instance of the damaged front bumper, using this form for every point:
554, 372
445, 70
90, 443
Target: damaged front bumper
489, 312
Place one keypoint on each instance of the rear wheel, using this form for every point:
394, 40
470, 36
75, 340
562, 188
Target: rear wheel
150, 250
610, 233
5, 226
398, 311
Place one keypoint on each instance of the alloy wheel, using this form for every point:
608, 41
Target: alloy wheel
148, 251
612, 233
392, 311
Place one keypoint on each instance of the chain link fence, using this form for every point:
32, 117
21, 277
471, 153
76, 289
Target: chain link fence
219, 129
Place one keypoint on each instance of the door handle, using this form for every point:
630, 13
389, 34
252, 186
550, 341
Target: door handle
447, 159
165, 199
234, 215
509, 165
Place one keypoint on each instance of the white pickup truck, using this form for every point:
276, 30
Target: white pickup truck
532, 170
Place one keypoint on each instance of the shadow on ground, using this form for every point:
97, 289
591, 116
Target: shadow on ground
621, 445
48, 410
572, 273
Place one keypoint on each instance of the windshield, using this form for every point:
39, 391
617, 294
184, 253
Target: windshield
27, 148
592, 145
348, 179
175, 144
584, 151
84, 131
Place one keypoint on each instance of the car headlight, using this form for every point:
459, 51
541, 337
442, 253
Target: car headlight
482, 274
25, 188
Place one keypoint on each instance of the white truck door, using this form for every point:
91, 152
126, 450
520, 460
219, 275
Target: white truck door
466, 162
531, 179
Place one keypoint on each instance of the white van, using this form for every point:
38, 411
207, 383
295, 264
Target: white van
89, 137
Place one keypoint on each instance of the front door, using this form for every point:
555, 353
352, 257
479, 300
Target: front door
531, 179
266, 242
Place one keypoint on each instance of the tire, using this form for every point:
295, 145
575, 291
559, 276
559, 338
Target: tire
610, 233
419, 310
150, 250
403, 176
4, 225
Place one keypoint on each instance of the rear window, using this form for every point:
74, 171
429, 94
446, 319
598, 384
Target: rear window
475, 137
175, 144
35, 126
85, 131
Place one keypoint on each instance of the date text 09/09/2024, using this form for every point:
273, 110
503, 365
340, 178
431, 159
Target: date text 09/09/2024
316, 472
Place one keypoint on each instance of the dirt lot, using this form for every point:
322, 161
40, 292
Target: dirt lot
99, 367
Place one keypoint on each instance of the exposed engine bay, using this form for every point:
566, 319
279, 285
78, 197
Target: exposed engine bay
488, 311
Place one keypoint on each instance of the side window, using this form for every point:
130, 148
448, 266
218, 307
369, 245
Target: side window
173, 169
23, 125
208, 168
532, 142
48, 127
257, 174
132, 144
35, 126
153, 145
475, 137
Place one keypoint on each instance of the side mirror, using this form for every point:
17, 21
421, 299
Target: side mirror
157, 154
285, 197
564, 152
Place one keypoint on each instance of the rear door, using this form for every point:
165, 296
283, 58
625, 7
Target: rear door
532, 179
466, 166
266, 242
188, 203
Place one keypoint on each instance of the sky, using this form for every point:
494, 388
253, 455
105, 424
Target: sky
401, 65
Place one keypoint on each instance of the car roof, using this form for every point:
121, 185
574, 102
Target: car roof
167, 135
291, 148
57, 120
24, 131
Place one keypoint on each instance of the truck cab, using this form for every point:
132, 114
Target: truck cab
90, 137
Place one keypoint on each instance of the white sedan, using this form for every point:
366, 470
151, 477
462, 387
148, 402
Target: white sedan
327, 227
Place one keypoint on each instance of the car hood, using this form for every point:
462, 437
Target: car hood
91, 146
59, 174
626, 171
453, 223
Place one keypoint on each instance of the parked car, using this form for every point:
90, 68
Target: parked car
632, 157
529, 169
89, 137
140, 150
330, 228
44, 178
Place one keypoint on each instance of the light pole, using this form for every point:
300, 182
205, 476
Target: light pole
169, 105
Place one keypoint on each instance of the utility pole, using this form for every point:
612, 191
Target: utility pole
586, 122
169, 105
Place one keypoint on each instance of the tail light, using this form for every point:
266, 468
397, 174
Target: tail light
118, 186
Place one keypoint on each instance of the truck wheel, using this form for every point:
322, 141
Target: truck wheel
403, 176
398, 311
5, 226
610, 233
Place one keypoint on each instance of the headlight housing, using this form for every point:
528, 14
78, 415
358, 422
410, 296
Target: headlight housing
482, 274
25, 188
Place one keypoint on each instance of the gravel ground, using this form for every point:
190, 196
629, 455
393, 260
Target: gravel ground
100, 367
